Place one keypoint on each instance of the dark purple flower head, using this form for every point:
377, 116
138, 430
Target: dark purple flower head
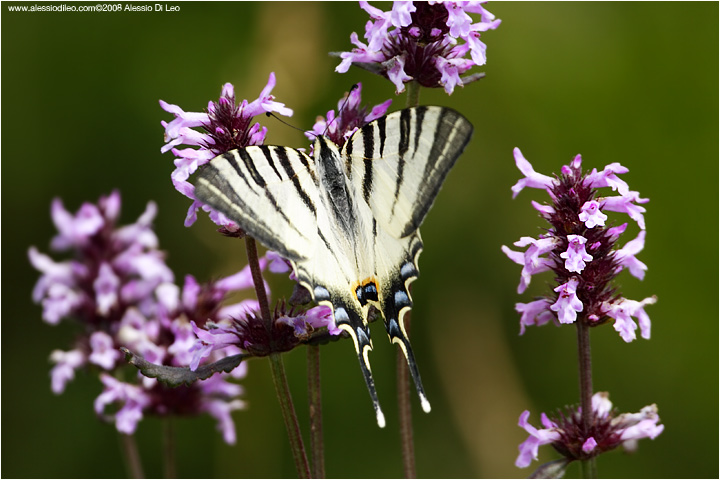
608, 431
580, 250
421, 41
351, 117
119, 289
226, 125
290, 328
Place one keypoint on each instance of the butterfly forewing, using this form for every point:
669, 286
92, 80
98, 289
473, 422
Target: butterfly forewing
399, 163
348, 219
271, 192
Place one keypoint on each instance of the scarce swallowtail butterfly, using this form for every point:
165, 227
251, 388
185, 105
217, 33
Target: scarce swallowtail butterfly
348, 218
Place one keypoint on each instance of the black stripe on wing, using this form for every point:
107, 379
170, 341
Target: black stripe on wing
451, 135
282, 155
232, 185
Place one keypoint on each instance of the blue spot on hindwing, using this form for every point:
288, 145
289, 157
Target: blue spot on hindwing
341, 315
401, 299
321, 293
408, 270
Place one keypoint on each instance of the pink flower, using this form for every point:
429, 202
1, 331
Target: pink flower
609, 430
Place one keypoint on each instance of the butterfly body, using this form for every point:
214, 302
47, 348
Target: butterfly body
348, 218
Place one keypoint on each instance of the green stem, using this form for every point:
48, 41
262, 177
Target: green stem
254, 262
169, 448
289, 416
413, 94
277, 368
316, 431
132, 456
589, 467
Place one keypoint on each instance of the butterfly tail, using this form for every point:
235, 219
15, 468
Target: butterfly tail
398, 335
350, 320
396, 303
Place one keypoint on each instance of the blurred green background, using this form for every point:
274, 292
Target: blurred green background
635, 83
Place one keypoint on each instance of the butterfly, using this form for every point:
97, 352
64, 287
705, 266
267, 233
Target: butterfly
347, 219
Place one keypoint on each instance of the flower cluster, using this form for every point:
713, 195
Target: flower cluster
420, 41
122, 293
289, 329
248, 331
608, 430
226, 126
350, 117
581, 250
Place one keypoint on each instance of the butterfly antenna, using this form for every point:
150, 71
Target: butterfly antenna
342, 107
271, 114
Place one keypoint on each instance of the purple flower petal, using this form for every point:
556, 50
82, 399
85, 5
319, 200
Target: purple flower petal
576, 256
106, 289
608, 178
64, 370
625, 204
529, 448
75, 231
532, 178
133, 398
626, 256
534, 313
589, 445
396, 73
104, 353
568, 304
220, 410
623, 310
591, 215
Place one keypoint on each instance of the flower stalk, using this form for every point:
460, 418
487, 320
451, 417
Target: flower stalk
407, 444
289, 417
589, 467
277, 368
131, 456
169, 464
315, 400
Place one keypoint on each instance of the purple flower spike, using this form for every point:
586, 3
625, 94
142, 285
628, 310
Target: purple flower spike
120, 290
581, 249
422, 41
226, 126
609, 430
